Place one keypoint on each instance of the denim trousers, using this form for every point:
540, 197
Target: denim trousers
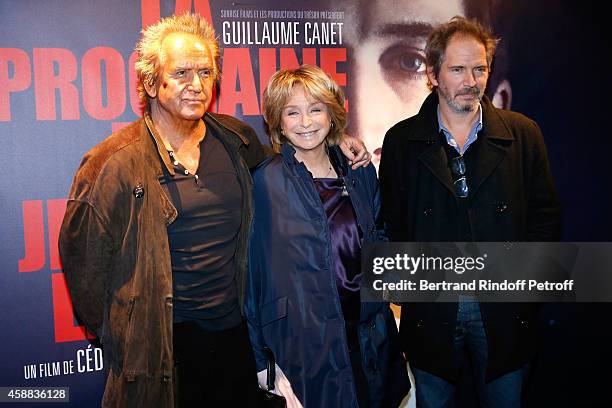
470, 341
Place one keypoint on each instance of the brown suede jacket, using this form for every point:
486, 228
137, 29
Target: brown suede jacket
114, 250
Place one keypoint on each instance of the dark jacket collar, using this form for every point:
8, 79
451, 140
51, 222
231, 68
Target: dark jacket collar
493, 126
228, 123
287, 152
335, 156
489, 152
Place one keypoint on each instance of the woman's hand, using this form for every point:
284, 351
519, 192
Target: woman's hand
282, 386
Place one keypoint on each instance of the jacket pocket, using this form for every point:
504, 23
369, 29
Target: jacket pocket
273, 311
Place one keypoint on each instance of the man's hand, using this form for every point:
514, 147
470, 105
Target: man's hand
355, 151
282, 386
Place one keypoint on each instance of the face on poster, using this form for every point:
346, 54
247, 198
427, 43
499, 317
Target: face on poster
375, 50
387, 79
387, 75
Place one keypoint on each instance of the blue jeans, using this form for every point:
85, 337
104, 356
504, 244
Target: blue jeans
503, 392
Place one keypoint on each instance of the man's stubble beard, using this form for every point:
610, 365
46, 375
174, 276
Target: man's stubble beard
462, 108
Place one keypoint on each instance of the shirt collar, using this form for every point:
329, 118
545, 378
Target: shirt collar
476, 127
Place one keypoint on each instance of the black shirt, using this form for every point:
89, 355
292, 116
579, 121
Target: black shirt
203, 237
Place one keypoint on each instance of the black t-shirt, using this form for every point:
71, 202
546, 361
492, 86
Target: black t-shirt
203, 237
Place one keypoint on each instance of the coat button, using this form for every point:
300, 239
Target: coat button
427, 211
522, 322
501, 207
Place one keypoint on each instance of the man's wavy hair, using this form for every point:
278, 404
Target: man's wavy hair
317, 85
435, 51
151, 58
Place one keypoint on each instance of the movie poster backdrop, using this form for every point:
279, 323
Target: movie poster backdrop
67, 82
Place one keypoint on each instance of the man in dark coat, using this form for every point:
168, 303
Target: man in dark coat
463, 170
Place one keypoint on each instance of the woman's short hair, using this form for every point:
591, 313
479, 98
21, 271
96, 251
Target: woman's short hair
151, 58
317, 85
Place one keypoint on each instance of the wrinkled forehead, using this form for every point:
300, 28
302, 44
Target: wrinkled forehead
400, 17
184, 48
